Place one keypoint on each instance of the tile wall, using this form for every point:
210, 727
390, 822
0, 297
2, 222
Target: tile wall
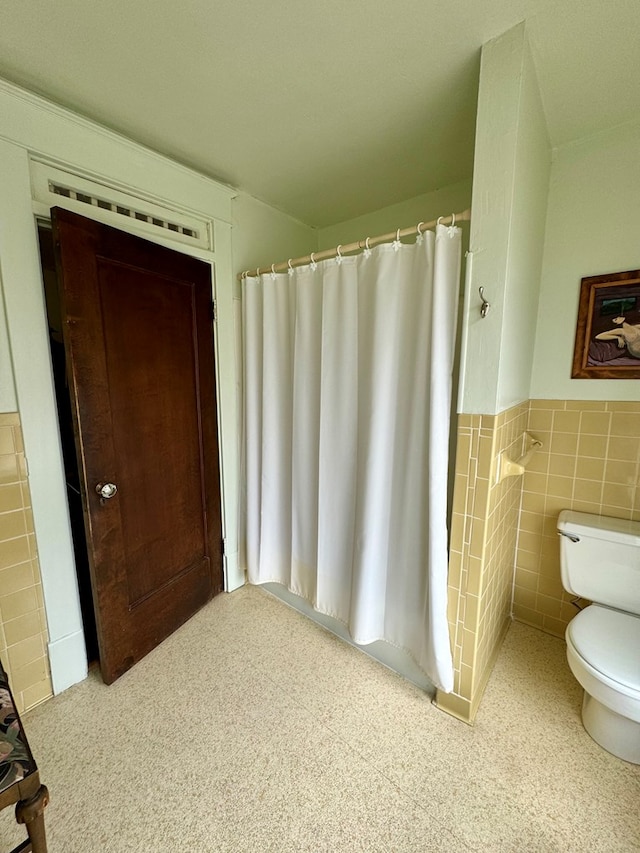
23, 627
504, 555
590, 462
484, 529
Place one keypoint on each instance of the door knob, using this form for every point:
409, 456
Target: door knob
106, 490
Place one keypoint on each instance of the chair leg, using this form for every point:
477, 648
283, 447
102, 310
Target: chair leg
31, 813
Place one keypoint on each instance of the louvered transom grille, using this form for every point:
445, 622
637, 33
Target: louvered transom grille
130, 212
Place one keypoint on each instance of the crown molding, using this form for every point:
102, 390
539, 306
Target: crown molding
45, 130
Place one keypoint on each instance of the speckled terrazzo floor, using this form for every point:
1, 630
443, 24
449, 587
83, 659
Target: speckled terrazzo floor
252, 729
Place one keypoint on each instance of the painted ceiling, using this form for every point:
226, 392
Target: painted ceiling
325, 110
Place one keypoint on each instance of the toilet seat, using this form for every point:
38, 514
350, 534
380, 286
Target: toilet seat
602, 650
609, 640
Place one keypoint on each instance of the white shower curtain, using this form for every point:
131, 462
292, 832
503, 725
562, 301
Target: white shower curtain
347, 381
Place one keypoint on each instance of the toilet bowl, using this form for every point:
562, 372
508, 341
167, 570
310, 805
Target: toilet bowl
603, 651
600, 560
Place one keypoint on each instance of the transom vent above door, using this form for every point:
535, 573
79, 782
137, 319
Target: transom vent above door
54, 187
104, 204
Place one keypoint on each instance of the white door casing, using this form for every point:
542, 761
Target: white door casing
39, 145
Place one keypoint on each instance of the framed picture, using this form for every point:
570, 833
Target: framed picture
608, 331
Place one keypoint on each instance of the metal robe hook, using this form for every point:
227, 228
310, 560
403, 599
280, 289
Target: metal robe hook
484, 309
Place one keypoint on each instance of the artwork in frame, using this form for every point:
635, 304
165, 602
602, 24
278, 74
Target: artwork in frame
608, 331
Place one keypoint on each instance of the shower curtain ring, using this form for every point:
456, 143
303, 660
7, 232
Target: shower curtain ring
453, 220
290, 270
439, 220
339, 258
418, 229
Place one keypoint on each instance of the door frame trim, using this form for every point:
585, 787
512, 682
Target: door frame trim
32, 127
68, 648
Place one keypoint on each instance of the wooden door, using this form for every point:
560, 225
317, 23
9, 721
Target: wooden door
137, 324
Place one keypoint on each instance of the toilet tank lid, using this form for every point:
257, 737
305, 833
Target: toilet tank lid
609, 641
599, 527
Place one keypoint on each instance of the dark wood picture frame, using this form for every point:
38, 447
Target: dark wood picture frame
608, 330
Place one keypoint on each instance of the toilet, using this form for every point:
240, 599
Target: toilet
600, 561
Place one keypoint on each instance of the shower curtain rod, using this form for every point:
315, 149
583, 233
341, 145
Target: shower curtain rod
465, 216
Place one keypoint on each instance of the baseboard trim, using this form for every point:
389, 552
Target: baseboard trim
234, 576
68, 661
454, 705
465, 709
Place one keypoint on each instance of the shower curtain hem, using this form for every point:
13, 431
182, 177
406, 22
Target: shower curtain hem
345, 624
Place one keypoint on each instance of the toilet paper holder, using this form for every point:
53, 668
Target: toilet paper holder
507, 467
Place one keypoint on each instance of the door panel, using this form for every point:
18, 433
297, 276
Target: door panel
139, 346
153, 395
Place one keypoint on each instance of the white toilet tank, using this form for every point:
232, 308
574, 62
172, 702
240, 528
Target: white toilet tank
600, 559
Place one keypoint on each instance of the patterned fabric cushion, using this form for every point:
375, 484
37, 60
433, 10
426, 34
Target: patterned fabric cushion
16, 760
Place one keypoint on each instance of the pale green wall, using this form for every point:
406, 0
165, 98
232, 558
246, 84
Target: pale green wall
526, 242
8, 402
262, 235
593, 227
420, 208
508, 211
